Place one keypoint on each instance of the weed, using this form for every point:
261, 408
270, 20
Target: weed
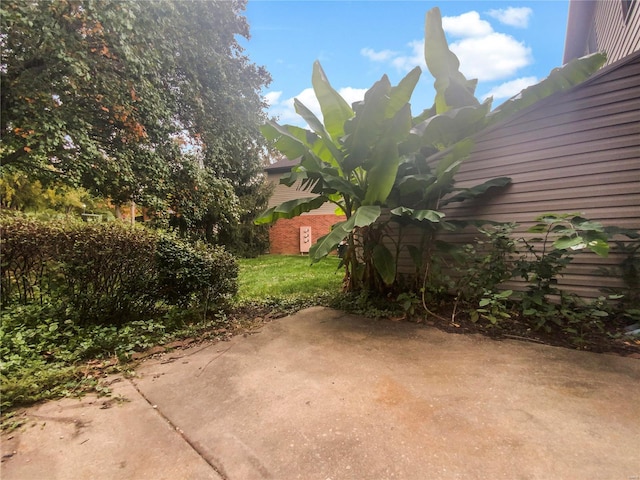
493, 307
548, 256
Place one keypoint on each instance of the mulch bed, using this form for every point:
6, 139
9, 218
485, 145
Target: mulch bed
613, 340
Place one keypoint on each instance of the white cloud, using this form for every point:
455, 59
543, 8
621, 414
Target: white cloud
272, 97
404, 63
285, 110
483, 53
351, 94
381, 56
491, 57
511, 88
512, 16
466, 25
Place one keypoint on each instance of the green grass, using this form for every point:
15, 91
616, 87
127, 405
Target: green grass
287, 276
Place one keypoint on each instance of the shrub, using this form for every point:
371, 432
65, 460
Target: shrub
28, 248
108, 273
188, 273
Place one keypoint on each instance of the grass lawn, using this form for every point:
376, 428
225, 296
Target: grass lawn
283, 276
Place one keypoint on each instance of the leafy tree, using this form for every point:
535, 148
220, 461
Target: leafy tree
200, 202
244, 238
19, 192
379, 165
110, 95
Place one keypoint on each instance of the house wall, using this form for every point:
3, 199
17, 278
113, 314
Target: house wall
282, 193
577, 151
284, 234
617, 31
612, 26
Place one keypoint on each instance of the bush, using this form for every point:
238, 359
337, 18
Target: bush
202, 272
108, 274
28, 248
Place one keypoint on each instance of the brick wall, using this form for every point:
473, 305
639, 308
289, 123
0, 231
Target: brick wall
284, 235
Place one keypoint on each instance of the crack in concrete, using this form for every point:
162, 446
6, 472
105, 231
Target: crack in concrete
214, 358
216, 468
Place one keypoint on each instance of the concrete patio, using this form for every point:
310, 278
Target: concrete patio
326, 395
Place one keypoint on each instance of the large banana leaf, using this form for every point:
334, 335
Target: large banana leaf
290, 209
401, 94
384, 263
383, 166
325, 149
418, 215
335, 110
381, 102
364, 130
362, 217
454, 125
288, 139
446, 170
562, 78
452, 88
297, 142
343, 186
452, 157
415, 183
476, 191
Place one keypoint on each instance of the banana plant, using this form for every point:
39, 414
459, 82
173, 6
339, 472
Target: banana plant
374, 155
350, 160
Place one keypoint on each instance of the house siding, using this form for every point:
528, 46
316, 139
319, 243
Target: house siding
603, 26
284, 234
577, 151
617, 34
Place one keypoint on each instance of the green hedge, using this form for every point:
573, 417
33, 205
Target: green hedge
109, 273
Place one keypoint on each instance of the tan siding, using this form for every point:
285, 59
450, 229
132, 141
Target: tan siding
617, 36
282, 193
579, 152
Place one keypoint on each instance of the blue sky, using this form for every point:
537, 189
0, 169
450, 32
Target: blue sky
505, 45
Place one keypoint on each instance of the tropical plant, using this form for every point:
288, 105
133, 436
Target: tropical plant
380, 166
548, 256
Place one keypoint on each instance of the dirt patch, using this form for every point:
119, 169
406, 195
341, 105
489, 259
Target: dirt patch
611, 340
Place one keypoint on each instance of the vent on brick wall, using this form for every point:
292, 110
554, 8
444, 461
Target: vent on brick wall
305, 239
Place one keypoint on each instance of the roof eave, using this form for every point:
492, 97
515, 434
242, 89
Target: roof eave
578, 22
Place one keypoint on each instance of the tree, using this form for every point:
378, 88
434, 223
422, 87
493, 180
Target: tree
244, 238
200, 203
110, 95
374, 157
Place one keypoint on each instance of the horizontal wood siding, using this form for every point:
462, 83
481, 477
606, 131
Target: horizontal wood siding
282, 193
576, 152
616, 34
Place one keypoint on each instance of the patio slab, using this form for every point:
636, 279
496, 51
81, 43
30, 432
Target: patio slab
327, 395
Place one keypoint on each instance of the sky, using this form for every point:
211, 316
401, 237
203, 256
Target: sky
506, 45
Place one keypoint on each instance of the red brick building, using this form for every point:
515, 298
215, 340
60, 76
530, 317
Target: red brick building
296, 235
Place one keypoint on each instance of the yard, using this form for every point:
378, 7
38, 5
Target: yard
287, 276
270, 287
